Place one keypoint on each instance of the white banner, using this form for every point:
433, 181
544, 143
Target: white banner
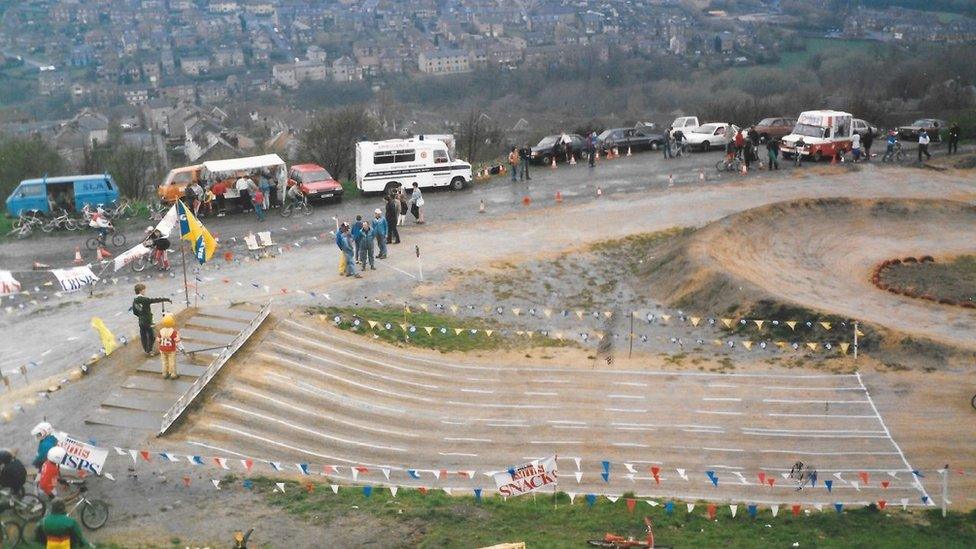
169, 221
8, 284
75, 278
165, 226
530, 477
82, 456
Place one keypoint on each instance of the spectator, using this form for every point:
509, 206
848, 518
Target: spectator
243, 187
740, 143
367, 238
169, 342
772, 152
142, 308
194, 195
392, 207
923, 145
525, 154
401, 199
13, 474
954, 132
513, 163
417, 204
591, 148
259, 201
866, 143
667, 143
679, 143
356, 233
218, 189
264, 185
343, 241
380, 231
59, 530
856, 147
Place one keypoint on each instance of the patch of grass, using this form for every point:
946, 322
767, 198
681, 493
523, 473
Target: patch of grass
349, 189
446, 521
825, 46
448, 333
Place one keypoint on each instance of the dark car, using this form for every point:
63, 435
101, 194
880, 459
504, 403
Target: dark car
552, 145
632, 138
931, 125
774, 128
863, 127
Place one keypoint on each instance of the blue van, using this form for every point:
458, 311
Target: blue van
50, 195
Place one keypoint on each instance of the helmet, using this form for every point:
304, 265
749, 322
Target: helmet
42, 429
169, 321
377, 211
5, 456
56, 455
150, 229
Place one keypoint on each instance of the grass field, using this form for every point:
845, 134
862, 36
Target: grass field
954, 279
446, 340
438, 520
825, 46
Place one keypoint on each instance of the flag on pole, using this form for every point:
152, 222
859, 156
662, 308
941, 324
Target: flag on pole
195, 233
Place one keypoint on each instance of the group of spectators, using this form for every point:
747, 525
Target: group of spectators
360, 240
259, 192
518, 163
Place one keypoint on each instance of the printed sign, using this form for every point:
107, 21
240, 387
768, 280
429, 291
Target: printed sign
81, 455
75, 278
527, 478
130, 255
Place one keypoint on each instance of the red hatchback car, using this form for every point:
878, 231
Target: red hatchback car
316, 181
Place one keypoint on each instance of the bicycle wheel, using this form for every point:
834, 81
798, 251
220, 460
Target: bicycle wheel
94, 513
25, 230
307, 209
11, 533
92, 243
139, 264
286, 211
118, 240
599, 543
974, 401
721, 166
30, 508
49, 226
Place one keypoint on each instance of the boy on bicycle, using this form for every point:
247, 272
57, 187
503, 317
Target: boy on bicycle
159, 245
295, 193
101, 224
59, 531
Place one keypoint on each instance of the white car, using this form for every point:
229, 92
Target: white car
708, 136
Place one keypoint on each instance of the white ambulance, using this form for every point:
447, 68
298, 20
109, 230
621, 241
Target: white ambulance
382, 166
823, 133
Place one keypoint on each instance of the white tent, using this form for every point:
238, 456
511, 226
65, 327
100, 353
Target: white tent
243, 164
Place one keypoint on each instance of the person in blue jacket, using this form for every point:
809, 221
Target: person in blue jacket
380, 230
356, 231
46, 440
345, 245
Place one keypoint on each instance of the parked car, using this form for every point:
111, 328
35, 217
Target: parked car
543, 152
774, 128
707, 136
912, 131
316, 182
633, 138
685, 123
863, 127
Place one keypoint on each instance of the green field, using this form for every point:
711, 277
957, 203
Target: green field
824, 46
438, 520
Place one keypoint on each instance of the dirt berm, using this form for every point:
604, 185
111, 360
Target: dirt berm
819, 254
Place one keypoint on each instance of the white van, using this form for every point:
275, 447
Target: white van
824, 134
382, 166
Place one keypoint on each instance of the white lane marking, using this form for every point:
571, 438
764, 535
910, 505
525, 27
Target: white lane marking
319, 392
633, 397
722, 399
539, 393
720, 412
811, 431
730, 467
625, 410
458, 454
726, 385
552, 381
466, 439
363, 386
555, 442
481, 379
809, 436
904, 460
708, 449
47, 352
709, 431
352, 368
569, 427
629, 445
453, 422
321, 415
630, 383
310, 431
635, 428
479, 391
266, 440
845, 416
784, 388
566, 421
828, 453
801, 401
395, 268
676, 426
515, 406
219, 449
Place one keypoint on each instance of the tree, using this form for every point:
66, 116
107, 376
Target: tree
330, 139
24, 158
132, 167
479, 138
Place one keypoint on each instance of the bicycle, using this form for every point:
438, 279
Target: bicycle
95, 242
63, 221
28, 507
679, 149
613, 541
154, 257
156, 211
726, 165
895, 155
11, 533
302, 206
24, 225
122, 210
93, 512
241, 539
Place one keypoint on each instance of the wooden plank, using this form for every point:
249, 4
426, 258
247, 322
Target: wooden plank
155, 383
139, 400
183, 368
130, 419
236, 314
213, 338
214, 323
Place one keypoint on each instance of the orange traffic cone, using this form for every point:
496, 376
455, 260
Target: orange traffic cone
599, 191
628, 152
670, 180
559, 197
103, 253
616, 152
597, 155
745, 170
78, 259
554, 162
701, 175
481, 208
572, 160
526, 200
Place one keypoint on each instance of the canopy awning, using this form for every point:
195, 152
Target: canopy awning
241, 164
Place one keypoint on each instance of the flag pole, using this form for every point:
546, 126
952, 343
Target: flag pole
186, 285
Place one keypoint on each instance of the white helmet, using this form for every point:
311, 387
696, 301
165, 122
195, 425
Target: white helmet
56, 455
42, 429
150, 229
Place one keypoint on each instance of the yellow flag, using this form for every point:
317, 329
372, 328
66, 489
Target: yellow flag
759, 323
747, 345
791, 324
826, 325
608, 314
812, 346
489, 332
423, 306
403, 327
579, 314
519, 332
428, 329
844, 347
454, 309
191, 230
695, 320
372, 323
516, 311
406, 309
727, 322
666, 317
547, 312
859, 333
781, 344
108, 340
457, 331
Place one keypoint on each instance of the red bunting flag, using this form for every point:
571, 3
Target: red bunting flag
711, 511
796, 510
443, 473
362, 470
248, 463
864, 477
186, 481
330, 469
631, 503
882, 504
464, 474
885, 484
422, 490
762, 478
656, 472
770, 481
145, 455
309, 487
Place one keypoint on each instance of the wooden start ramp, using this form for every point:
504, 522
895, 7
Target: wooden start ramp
146, 401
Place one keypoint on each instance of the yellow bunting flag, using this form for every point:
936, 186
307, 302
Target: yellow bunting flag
727, 322
372, 323
559, 335
844, 347
547, 312
424, 306
487, 309
108, 340
759, 323
717, 342
530, 333
454, 308
608, 314
695, 320
516, 311
781, 344
747, 345
666, 317
579, 314
457, 331
489, 332
322, 318
403, 327
519, 332
406, 309
599, 336
812, 346
791, 324
826, 325
428, 329
859, 333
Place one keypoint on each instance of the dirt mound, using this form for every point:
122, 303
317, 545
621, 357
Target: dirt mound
819, 254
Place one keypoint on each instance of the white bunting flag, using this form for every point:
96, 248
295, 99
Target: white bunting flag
904, 504
579, 476
734, 509
222, 462
280, 487
577, 460
120, 451
216, 483
355, 473
135, 453
818, 507
774, 509
613, 499
447, 490
651, 502
856, 485
572, 497
386, 472
437, 474
630, 468
335, 488
681, 473
691, 507
393, 490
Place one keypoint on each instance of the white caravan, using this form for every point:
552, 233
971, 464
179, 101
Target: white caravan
382, 166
